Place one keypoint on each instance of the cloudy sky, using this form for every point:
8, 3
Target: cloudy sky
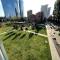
34, 5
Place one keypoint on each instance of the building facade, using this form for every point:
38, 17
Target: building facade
29, 13
13, 7
21, 6
39, 17
46, 10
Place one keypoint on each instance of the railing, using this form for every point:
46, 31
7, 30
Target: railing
5, 57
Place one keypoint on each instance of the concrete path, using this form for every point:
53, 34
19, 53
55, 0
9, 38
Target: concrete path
54, 53
37, 33
29, 32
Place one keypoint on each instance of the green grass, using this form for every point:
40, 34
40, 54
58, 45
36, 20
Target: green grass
4, 29
21, 45
43, 31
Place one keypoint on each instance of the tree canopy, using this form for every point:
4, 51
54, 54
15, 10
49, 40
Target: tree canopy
56, 11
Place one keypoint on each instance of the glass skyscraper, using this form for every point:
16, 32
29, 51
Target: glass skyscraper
21, 7
13, 7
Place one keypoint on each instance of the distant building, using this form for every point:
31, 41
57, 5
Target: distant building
21, 6
29, 13
13, 7
45, 10
32, 18
39, 17
49, 11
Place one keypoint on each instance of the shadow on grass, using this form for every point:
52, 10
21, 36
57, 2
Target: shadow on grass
22, 36
9, 36
38, 29
16, 36
8, 33
30, 35
31, 57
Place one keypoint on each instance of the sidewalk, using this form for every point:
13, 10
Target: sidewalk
54, 53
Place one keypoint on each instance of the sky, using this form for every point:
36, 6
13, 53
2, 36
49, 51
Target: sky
1, 10
34, 5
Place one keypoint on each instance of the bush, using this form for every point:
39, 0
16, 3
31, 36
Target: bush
8, 24
15, 27
59, 34
26, 28
21, 28
0, 25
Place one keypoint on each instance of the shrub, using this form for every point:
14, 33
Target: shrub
26, 28
8, 24
15, 26
59, 34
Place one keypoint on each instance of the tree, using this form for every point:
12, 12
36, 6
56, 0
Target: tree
56, 11
50, 18
22, 19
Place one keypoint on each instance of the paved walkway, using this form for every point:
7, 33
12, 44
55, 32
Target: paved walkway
54, 53
29, 32
37, 33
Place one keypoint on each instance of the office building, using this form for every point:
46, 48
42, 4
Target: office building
21, 6
13, 7
46, 10
29, 13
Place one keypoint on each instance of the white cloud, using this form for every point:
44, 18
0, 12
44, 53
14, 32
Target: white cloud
1, 10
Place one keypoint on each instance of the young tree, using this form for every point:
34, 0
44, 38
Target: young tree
56, 11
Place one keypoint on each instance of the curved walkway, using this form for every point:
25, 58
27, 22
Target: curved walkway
29, 32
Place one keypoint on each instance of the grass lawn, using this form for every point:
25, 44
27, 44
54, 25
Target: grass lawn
42, 31
21, 45
4, 29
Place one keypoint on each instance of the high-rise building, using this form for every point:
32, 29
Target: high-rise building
29, 13
46, 10
9, 8
49, 11
17, 10
13, 7
21, 6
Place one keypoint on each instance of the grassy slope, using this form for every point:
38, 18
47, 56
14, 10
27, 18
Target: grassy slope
26, 47
4, 29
